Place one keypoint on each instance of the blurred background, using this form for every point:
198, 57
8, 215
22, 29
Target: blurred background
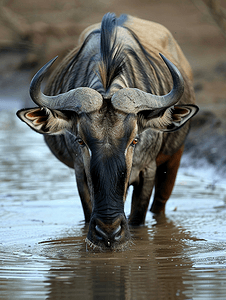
32, 32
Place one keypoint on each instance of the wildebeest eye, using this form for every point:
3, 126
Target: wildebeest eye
80, 141
134, 142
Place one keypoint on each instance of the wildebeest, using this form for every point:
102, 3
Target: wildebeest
113, 110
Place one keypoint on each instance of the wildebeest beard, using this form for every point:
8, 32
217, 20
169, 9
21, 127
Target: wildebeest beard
108, 174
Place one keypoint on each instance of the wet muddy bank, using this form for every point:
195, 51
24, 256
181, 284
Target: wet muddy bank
206, 142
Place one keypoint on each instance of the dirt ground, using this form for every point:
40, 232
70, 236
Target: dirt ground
32, 32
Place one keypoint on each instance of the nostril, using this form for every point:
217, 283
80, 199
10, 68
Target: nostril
117, 233
100, 234
117, 230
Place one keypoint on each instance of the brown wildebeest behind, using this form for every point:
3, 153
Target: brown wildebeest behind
117, 112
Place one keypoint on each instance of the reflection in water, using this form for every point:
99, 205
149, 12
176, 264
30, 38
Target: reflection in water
152, 268
42, 250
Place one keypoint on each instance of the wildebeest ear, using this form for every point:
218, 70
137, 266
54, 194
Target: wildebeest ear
171, 119
45, 121
180, 114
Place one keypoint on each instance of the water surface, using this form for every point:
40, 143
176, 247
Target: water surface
181, 255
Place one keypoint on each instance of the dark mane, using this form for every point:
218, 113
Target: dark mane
107, 59
112, 58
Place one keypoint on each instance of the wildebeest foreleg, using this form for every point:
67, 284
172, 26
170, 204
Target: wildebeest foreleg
141, 197
165, 178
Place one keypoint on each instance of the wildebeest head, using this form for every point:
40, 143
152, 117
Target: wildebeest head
103, 120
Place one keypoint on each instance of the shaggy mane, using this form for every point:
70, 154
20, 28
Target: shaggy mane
104, 57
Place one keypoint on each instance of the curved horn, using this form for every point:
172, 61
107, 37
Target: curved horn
132, 100
82, 99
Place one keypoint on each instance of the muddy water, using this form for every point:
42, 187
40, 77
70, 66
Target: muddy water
181, 255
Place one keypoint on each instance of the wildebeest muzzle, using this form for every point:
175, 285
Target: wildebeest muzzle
108, 233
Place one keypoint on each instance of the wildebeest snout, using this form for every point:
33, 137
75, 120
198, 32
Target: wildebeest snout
108, 233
